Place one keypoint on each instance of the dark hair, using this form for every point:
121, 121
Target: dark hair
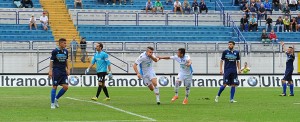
232, 42
150, 48
291, 47
62, 40
101, 45
182, 51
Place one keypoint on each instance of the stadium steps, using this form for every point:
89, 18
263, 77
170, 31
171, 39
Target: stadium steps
62, 25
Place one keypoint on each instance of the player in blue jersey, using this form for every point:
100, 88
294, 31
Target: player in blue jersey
290, 57
59, 71
101, 60
231, 58
185, 73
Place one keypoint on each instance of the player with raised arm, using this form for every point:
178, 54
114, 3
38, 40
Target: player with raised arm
185, 74
147, 72
290, 57
101, 60
231, 58
59, 71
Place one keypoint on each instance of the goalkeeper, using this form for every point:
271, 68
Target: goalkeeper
101, 60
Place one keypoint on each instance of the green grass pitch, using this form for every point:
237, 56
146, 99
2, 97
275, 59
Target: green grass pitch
254, 105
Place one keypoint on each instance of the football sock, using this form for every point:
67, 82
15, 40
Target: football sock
98, 91
232, 91
105, 91
284, 88
53, 93
187, 92
292, 89
176, 88
60, 93
221, 90
156, 91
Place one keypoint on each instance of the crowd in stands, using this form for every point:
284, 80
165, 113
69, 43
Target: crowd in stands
43, 20
23, 3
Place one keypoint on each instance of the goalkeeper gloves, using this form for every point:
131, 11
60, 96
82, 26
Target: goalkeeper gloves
109, 75
87, 70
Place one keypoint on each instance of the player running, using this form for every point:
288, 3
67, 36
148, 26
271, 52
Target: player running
147, 72
101, 60
59, 71
290, 57
185, 74
231, 58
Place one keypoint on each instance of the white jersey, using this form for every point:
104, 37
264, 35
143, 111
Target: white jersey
184, 70
145, 63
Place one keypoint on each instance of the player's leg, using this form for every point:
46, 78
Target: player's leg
156, 89
100, 79
176, 88
187, 82
233, 83
222, 87
105, 89
284, 85
53, 91
63, 81
290, 81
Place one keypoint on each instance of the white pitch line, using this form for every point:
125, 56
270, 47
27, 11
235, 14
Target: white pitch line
118, 109
296, 103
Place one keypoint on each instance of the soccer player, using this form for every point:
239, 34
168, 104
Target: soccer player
231, 58
101, 60
59, 71
290, 57
147, 72
185, 74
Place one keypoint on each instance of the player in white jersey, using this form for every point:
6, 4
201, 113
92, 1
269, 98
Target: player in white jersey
185, 74
147, 72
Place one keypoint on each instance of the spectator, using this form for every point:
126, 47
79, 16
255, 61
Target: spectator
262, 12
18, 3
195, 6
268, 6
44, 21
276, 3
253, 9
78, 2
293, 3
293, 24
74, 45
32, 22
298, 22
273, 36
253, 23
243, 3
149, 6
245, 69
83, 49
257, 4
264, 37
286, 9
283, 4
252, 2
244, 23
269, 22
177, 7
203, 6
168, 1
287, 24
246, 10
186, 6
158, 6
279, 24
27, 4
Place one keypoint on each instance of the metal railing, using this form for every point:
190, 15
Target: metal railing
17, 15
219, 5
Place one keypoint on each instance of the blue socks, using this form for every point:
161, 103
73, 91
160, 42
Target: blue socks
232, 91
284, 88
221, 90
60, 93
292, 89
53, 93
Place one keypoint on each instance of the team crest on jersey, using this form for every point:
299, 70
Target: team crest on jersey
65, 52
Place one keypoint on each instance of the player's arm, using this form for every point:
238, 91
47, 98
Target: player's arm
221, 67
67, 68
238, 66
163, 57
189, 62
153, 58
283, 47
90, 66
293, 49
136, 71
50, 69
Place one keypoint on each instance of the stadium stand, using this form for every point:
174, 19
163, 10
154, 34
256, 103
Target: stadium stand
10, 4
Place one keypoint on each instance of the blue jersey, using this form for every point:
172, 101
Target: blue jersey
289, 61
230, 58
101, 60
59, 58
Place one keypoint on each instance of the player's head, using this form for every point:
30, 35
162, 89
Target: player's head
245, 63
150, 50
231, 45
290, 50
62, 42
181, 52
99, 46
